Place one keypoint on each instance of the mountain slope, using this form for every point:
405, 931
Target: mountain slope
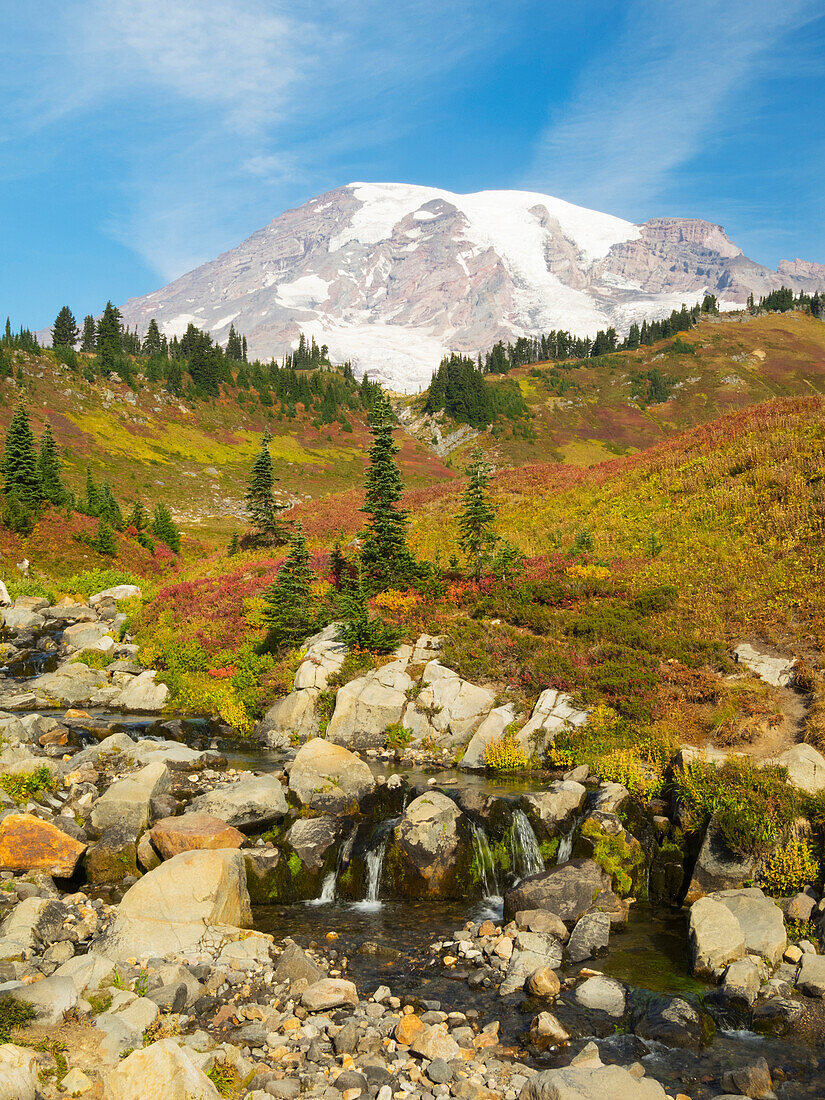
392, 275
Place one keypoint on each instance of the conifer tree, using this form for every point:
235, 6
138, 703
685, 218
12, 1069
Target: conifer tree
477, 516
234, 347
48, 465
165, 529
104, 540
261, 505
291, 612
358, 630
152, 343
384, 553
88, 340
109, 508
138, 517
109, 337
65, 331
91, 504
20, 473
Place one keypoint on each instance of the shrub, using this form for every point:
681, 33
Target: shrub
789, 869
94, 658
24, 586
14, 1013
89, 581
397, 736
624, 861
754, 806
21, 787
505, 753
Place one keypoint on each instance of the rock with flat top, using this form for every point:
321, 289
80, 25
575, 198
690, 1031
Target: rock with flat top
329, 778
28, 843
776, 671
191, 831
329, 993
366, 706
569, 890
806, 768
126, 802
582, 1082
162, 1071
251, 804
716, 938
761, 920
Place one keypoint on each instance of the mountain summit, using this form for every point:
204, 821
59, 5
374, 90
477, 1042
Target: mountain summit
392, 275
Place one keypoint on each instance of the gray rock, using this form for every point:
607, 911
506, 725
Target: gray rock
312, 838
673, 1022
601, 995
811, 978
752, 1080
429, 845
126, 802
294, 964
329, 779
806, 767
761, 921
542, 920
365, 707
51, 998
569, 891
555, 808
741, 983
439, 1071
717, 867
716, 938
251, 804
591, 1083
589, 938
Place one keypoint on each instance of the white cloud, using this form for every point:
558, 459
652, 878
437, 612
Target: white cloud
645, 106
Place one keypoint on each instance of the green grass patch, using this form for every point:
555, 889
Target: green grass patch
23, 786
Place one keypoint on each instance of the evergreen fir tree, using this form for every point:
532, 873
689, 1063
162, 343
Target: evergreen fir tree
152, 344
65, 331
104, 540
477, 516
20, 472
88, 340
138, 517
234, 544
48, 465
291, 612
165, 529
384, 552
234, 347
91, 504
261, 505
109, 508
109, 338
358, 630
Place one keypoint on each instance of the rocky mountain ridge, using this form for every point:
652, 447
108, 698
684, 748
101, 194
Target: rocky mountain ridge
393, 275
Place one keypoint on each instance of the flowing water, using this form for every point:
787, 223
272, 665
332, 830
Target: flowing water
524, 847
486, 865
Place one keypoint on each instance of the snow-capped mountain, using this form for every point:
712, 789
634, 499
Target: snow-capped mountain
392, 275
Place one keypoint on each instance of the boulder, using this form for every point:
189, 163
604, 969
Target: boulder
313, 839
20, 618
329, 993
542, 920
543, 982
173, 835
752, 1080
552, 810
32, 922
84, 635
434, 1041
776, 671
251, 804
524, 963
324, 656
329, 778
70, 613
87, 972
114, 856
365, 707
589, 938
27, 843
295, 714
51, 998
162, 1071
191, 903
491, 729
672, 1022
127, 801
591, 1083
601, 995
431, 847
118, 592
70, 685
761, 920
553, 711
295, 965
569, 891
447, 708
142, 694
546, 1031
741, 983
717, 867
806, 768
811, 977
5, 598
716, 938
19, 1071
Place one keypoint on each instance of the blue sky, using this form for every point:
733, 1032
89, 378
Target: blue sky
139, 138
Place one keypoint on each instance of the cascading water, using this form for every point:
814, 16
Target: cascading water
374, 861
566, 843
330, 883
327, 895
524, 847
486, 866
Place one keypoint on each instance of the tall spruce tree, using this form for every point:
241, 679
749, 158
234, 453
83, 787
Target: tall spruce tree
234, 347
109, 508
138, 517
104, 540
263, 509
109, 338
291, 611
165, 529
152, 342
477, 516
49, 469
88, 341
357, 629
385, 555
91, 503
65, 331
21, 477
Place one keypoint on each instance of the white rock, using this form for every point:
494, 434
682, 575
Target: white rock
126, 801
162, 1071
773, 670
119, 592
18, 1073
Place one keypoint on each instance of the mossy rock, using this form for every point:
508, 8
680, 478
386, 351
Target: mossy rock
620, 855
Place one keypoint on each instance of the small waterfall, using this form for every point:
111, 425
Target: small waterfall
566, 843
524, 847
374, 861
486, 866
327, 895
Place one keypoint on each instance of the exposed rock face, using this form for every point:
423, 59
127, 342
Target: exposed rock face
448, 708
18, 1073
253, 803
312, 838
365, 707
806, 768
191, 901
761, 920
716, 937
163, 1071
773, 670
296, 713
552, 810
490, 729
193, 831
569, 891
430, 847
450, 272
27, 843
328, 778
717, 867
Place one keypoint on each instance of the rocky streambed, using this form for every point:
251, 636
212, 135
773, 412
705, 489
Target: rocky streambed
185, 919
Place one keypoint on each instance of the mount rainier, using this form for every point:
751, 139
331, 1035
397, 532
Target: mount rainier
392, 275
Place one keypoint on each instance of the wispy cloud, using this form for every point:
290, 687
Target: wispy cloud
678, 73
208, 112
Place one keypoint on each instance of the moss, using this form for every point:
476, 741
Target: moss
14, 1013
622, 859
21, 787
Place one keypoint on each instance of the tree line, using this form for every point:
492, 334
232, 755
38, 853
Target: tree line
33, 481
